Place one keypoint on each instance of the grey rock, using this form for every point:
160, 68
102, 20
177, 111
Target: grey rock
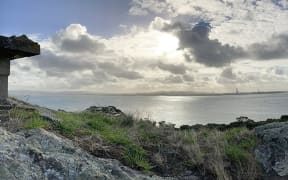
39, 154
272, 152
111, 110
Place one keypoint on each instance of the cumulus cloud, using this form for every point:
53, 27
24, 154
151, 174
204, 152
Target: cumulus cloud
188, 78
279, 70
78, 60
228, 73
173, 79
82, 43
275, 48
119, 71
200, 48
173, 68
235, 22
59, 65
75, 38
143, 7
146, 57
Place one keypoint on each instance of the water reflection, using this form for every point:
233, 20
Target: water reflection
176, 109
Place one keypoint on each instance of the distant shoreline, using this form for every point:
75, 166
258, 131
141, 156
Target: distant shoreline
144, 94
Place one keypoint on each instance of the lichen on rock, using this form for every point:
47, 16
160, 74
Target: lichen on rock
272, 152
39, 154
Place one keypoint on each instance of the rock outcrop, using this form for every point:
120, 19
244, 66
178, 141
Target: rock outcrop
111, 110
272, 152
39, 154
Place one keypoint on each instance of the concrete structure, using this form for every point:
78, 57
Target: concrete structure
12, 48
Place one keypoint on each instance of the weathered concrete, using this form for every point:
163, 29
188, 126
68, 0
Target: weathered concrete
13, 48
4, 73
4, 67
17, 47
3, 86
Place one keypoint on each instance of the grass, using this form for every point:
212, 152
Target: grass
136, 156
112, 130
235, 153
162, 149
24, 119
239, 144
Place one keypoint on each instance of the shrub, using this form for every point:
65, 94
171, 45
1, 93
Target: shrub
235, 153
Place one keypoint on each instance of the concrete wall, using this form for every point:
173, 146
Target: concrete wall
3, 87
4, 67
4, 73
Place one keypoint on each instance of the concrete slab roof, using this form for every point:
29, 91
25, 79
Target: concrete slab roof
17, 47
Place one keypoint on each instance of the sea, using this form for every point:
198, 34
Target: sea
178, 110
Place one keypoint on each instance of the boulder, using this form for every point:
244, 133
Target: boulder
111, 110
39, 154
272, 152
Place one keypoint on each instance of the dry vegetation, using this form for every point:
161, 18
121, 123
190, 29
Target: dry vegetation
152, 147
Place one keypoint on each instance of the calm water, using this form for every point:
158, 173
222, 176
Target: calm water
175, 109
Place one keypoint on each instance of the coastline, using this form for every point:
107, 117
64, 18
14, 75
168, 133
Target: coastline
159, 149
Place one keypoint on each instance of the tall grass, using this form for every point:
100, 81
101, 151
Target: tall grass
161, 148
25, 119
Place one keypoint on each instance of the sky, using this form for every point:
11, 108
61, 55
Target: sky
141, 46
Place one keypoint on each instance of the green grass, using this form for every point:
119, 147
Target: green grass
29, 119
136, 143
136, 156
36, 124
235, 153
112, 129
240, 143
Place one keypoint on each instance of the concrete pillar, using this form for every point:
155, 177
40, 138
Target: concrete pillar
3, 87
12, 48
4, 106
4, 73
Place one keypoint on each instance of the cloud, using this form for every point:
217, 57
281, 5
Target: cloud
59, 65
228, 73
74, 59
78, 60
279, 70
283, 4
172, 79
275, 48
188, 78
144, 7
81, 44
177, 79
253, 20
172, 68
138, 11
200, 48
76, 39
119, 71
